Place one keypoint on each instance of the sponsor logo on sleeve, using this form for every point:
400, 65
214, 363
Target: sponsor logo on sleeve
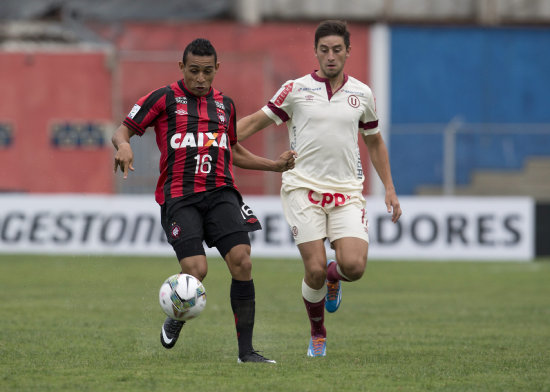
134, 111
282, 96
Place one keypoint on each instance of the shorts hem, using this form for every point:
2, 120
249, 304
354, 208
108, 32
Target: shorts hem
350, 236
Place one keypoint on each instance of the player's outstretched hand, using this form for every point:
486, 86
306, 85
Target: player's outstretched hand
124, 158
285, 161
393, 206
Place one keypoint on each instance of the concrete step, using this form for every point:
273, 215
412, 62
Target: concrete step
533, 180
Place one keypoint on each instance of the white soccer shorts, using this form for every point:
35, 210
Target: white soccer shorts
312, 215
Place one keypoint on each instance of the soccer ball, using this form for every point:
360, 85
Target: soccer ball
182, 297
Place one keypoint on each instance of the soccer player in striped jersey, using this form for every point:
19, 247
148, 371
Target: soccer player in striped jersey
325, 112
195, 128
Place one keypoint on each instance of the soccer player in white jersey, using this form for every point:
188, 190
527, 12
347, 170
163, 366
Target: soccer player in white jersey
325, 112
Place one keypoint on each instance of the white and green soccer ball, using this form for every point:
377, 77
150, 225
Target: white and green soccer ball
182, 297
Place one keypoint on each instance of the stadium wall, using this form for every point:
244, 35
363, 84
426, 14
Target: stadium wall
468, 75
55, 117
59, 105
254, 62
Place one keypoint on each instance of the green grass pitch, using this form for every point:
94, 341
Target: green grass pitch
77, 323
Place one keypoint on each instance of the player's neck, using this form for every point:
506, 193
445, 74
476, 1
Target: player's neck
337, 81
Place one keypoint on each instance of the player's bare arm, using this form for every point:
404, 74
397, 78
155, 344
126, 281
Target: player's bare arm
249, 125
379, 156
247, 160
124, 157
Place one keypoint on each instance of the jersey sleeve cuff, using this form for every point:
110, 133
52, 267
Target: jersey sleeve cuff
276, 114
134, 126
369, 128
369, 125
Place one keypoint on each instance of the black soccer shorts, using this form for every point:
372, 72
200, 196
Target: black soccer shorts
220, 218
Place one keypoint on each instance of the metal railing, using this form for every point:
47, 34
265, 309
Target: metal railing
447, 155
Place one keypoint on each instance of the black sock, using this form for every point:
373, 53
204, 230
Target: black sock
243, 305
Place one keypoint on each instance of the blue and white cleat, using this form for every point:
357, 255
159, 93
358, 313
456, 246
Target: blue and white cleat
317, 347
334, 294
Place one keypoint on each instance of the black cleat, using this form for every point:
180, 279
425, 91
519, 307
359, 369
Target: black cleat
170, 332
254, 356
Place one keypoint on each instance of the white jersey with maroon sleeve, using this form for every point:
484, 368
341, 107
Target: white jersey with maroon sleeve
323, 128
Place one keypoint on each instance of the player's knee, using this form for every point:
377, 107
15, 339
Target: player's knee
354, 273
354, 268
316, 275
243, 264
241, 271
198, 270
200, 274
239, 255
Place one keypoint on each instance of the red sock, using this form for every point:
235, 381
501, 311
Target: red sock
332, 273
316, 314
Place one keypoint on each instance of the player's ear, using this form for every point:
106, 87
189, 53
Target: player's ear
348, 50
181, 65
217, 66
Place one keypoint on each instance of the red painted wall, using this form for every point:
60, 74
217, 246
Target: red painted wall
38, 90
41, 88
255, 61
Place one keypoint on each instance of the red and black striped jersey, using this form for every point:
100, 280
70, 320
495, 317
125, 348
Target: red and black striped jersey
194, 136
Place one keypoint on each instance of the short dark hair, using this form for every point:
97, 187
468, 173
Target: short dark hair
200, 47
332, 27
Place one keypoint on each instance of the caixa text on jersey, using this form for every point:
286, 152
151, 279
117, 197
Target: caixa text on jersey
201, 139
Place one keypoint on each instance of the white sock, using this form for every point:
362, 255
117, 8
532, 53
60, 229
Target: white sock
312, 295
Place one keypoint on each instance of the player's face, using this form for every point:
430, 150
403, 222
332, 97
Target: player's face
198, 73
331, 52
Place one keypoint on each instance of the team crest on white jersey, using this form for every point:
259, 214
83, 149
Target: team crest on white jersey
353, 101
